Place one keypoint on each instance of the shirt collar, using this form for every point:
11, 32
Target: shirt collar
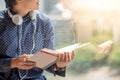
25, 18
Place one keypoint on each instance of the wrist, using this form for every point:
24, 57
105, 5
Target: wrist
58, 67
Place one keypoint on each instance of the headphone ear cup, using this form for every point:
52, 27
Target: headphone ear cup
32, 15
17, 19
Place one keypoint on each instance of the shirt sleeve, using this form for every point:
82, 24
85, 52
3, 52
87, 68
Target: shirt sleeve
4, 62
5, 66
49, 43
49, 37
1, 26
55, 71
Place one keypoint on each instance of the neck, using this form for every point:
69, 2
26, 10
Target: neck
21, 11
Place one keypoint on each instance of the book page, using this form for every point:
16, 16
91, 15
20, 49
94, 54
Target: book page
72, 47
43, 60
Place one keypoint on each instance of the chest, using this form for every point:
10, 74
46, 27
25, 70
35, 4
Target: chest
23, 36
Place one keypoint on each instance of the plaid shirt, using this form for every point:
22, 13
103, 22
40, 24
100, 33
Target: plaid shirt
9, 44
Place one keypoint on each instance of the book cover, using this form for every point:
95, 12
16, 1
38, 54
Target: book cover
44, 58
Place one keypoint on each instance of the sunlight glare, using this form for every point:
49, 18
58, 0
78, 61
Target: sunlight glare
97, 4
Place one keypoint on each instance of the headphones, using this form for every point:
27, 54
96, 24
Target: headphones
18, 19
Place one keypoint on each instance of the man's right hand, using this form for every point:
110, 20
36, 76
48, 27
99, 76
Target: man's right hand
22, 63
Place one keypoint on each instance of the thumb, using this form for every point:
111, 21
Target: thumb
23, 56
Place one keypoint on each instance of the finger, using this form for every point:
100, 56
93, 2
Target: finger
28, 63
69, 58
24, 67
23, 56
65, 57
58, 59
61, 57
30, 55
72, 55
22, 59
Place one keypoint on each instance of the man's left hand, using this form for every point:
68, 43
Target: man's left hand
64, 59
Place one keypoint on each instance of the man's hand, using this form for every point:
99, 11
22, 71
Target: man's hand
22, 63
64, 59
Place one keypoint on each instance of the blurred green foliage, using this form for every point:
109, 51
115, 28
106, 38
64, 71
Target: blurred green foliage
83, 59
88, 57
114, 57
101, 36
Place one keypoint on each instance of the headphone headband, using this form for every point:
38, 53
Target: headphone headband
18, 19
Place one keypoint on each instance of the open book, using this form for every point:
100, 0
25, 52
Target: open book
46, 57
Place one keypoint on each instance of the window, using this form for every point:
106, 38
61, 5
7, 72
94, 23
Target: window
2, 5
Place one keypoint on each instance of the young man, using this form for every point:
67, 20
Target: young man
24, 32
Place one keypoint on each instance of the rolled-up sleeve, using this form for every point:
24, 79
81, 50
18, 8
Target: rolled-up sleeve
5, 66
60, 72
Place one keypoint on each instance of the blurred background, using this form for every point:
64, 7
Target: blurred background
94, 21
